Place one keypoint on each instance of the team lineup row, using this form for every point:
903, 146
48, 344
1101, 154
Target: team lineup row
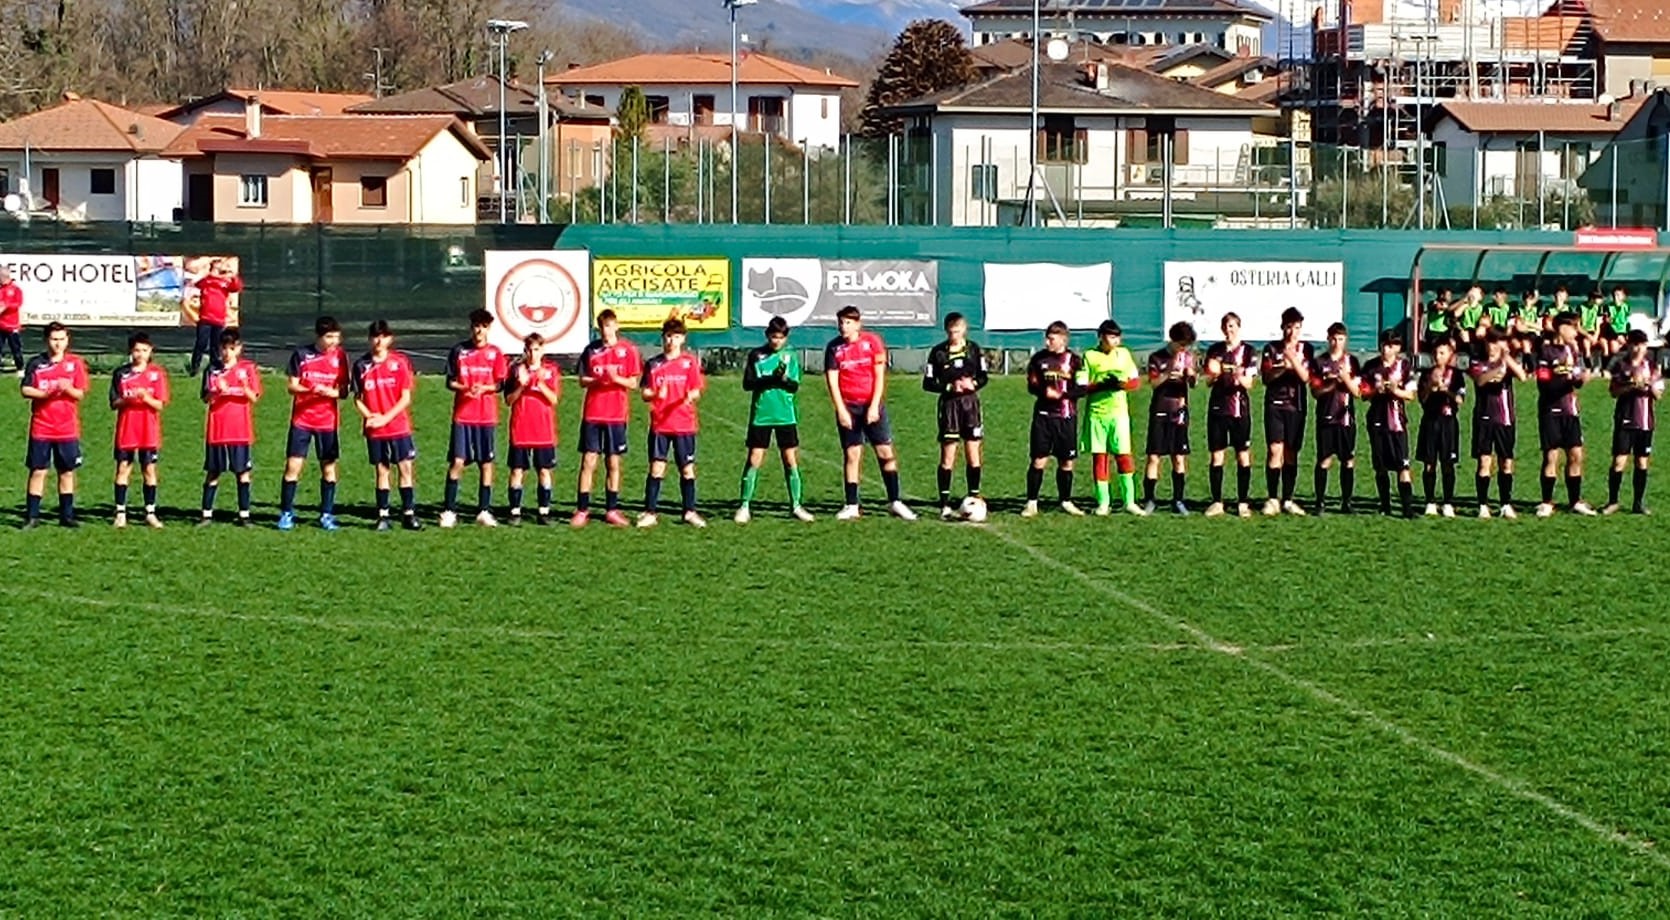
381, 382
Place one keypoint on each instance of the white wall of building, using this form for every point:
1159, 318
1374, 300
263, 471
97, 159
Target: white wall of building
1223, 32
1487, 166
155, 189
143, 189
804, 108
443, 177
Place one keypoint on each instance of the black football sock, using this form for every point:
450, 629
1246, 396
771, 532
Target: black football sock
32, 506
1064, 485
1272, 481
209, 498
1034, 483
1504, 488
287, 496
382, 503
543, 496
516, 501
1614, 485
1548, 490
582, 501
1178, 481
408, 500
1216, 477
483, 499
1406, 493
1289, 481
121, 499
944, 487
1640, 486
1482, 482
1347, 485
149, 493
244, 498
687, 493
451, 499
973, 472
1149, 484
1383, 487
1320, 484
652, 494
327, 497
851, 493
1429, 483
890, 481
1574, 489
66, 506
1243, 483
1448, 472
611, 500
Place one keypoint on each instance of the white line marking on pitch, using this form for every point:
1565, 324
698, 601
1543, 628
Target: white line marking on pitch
1511, 785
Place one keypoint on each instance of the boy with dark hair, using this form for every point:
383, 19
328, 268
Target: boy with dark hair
1334, 380
475, 373
54, 382
1386, 380
383, 383
1495, 429
1560, 374
1172, 371
1286, 369
1231, 368
1052, 377
855, 372
609, 370
532, 389
1442, 391
231, 385
1637, 385
318, 381
673, 383
1107, 376
771, 375
138, 393
956, 372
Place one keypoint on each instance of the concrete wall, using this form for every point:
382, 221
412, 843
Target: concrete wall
160, 188
289, 195
155, 189
442, 183
803, 106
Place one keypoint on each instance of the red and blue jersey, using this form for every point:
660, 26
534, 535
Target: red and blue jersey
231, 392
472, 366
379, 385
533, 415
138, 426
606, 402
858, 363
673, 380
315, 369
55, 416
212, 294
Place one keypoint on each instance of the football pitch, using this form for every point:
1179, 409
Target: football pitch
1103, 717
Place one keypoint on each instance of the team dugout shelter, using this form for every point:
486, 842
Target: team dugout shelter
1596, 259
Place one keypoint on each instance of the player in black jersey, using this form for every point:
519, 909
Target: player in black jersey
1560, 374
1442, 390
1388, 383
1637, 385
1494, 426
1334, 380
1231, 368
1286, 368
1173, 371
956, 371
1052, 379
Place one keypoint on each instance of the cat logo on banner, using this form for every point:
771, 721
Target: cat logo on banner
888, 292
543, 291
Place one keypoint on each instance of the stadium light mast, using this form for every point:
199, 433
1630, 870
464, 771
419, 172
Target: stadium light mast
1032, 165
544, 139
731, 6
500, 29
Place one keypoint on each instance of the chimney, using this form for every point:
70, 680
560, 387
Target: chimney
71, 96
1449, 11
252, 116
1102, 75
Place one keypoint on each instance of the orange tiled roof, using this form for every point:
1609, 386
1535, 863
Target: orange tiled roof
88, 124
644, 69
277, 101
1631, 21
375, 137
1531, 117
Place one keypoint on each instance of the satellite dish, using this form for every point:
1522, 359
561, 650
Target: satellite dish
14, 203
1058, 49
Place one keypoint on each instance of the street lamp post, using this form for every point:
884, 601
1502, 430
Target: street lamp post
731, 6
544, 140
501, 29
1032, 159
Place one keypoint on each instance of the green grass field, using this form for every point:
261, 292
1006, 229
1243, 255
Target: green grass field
1065, 717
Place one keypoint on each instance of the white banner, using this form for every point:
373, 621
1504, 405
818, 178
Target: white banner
544, 291
1201, 293
888, 292
1030, 296
87, 290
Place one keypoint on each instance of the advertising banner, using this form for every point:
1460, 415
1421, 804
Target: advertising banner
544, 291
1029, 296
646, 292
115, 290
1202, 292
808, 292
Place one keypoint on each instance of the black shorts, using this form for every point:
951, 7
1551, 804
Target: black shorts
1168, 435
227, 458
1336, 441
1285, 425
1054, 437
680, 447
390, 451
1224, 432
959, 419
759, 436
64, 456
1439, 440
144, 456
607, 438
878, 433
533, 458
473, 443
326, 445
1631, 442
1491, 439
1559, 432
1388, 450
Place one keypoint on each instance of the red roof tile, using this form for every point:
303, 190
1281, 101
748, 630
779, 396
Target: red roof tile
88, 124
360, 137
646, 69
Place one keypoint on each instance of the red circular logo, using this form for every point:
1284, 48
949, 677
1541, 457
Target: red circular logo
538, 295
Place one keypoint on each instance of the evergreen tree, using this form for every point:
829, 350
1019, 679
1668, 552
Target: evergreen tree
928, 56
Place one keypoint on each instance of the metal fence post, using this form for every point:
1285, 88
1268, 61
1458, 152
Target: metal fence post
765, 149
846, 183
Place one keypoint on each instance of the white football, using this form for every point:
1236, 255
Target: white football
974, 510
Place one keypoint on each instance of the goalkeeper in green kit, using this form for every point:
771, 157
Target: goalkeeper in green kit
771, 376
1109, 374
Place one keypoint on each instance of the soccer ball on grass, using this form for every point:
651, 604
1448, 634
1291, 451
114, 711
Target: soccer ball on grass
974, 510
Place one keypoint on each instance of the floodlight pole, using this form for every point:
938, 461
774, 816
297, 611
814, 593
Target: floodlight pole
731, 5
501, 29
1032, 147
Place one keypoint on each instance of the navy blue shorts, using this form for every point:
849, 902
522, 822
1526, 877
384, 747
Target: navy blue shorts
607, 438
326, 445
227, 458
64, 456
878, 434
681, 447
473, 443
390, 451
147, 457
533, 458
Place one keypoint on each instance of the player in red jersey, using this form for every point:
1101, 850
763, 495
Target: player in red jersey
231, 386
54, 383
318, 379
475, 372
138, 392
608, 369
673, 383
532, 389
213, 288
11, 316
383, 385
855, 370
